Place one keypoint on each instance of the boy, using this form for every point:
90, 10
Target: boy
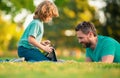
30, 44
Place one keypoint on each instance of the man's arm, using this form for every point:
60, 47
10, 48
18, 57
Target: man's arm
88, 59
107, 59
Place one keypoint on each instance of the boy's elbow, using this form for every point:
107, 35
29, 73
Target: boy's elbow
31, 39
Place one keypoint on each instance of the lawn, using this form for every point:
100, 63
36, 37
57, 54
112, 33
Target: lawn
67, 69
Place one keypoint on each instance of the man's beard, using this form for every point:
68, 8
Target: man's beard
86, 45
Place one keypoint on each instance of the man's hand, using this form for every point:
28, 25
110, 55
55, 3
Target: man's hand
88, 59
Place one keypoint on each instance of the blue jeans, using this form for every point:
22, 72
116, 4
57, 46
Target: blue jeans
31, 54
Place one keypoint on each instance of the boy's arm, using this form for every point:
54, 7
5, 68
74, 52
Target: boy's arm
46, 48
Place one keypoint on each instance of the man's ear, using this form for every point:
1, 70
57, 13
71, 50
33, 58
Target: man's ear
90, 34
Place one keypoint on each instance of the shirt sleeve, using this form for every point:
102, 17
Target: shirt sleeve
108, 48
87, 53
34, 29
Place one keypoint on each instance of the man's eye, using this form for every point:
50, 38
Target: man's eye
80, 38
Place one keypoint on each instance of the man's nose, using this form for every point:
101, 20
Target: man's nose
79, 41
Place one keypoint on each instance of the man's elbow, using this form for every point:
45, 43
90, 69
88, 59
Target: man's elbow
108, 59
88, 60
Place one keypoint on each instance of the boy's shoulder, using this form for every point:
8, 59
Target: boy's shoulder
36, 21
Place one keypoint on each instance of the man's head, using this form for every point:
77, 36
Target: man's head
86, 31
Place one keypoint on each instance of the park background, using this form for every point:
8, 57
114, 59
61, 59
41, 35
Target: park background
16, 14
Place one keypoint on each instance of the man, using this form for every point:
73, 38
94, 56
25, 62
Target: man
98, 48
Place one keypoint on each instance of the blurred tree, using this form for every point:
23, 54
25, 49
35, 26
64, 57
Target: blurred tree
13, 7
71, 12
9, 35
61, 30
10, 31
112, 14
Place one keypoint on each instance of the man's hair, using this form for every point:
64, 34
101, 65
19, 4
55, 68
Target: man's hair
86, 27
45, 9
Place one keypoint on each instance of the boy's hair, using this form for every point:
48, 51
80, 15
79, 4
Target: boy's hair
86, 27
45, 9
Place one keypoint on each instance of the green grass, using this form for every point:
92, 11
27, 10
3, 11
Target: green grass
68, 69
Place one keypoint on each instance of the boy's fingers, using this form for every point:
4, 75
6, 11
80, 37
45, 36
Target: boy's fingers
48, 41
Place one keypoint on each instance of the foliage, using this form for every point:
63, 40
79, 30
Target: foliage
68, 69
9, 39
9, 35
13, 7
61, 30
71, 12
112, 26
70, 15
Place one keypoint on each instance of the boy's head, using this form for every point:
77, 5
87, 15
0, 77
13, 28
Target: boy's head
45, 11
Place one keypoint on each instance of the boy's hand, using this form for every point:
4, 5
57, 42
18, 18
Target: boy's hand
46, 42
48, 48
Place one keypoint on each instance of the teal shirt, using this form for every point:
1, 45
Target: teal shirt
105, 46
35, 29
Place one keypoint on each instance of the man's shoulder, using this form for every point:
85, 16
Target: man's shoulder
106, 39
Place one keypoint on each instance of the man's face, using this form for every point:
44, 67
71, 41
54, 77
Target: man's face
83, 39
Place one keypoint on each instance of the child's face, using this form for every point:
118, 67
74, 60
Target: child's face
48, 19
